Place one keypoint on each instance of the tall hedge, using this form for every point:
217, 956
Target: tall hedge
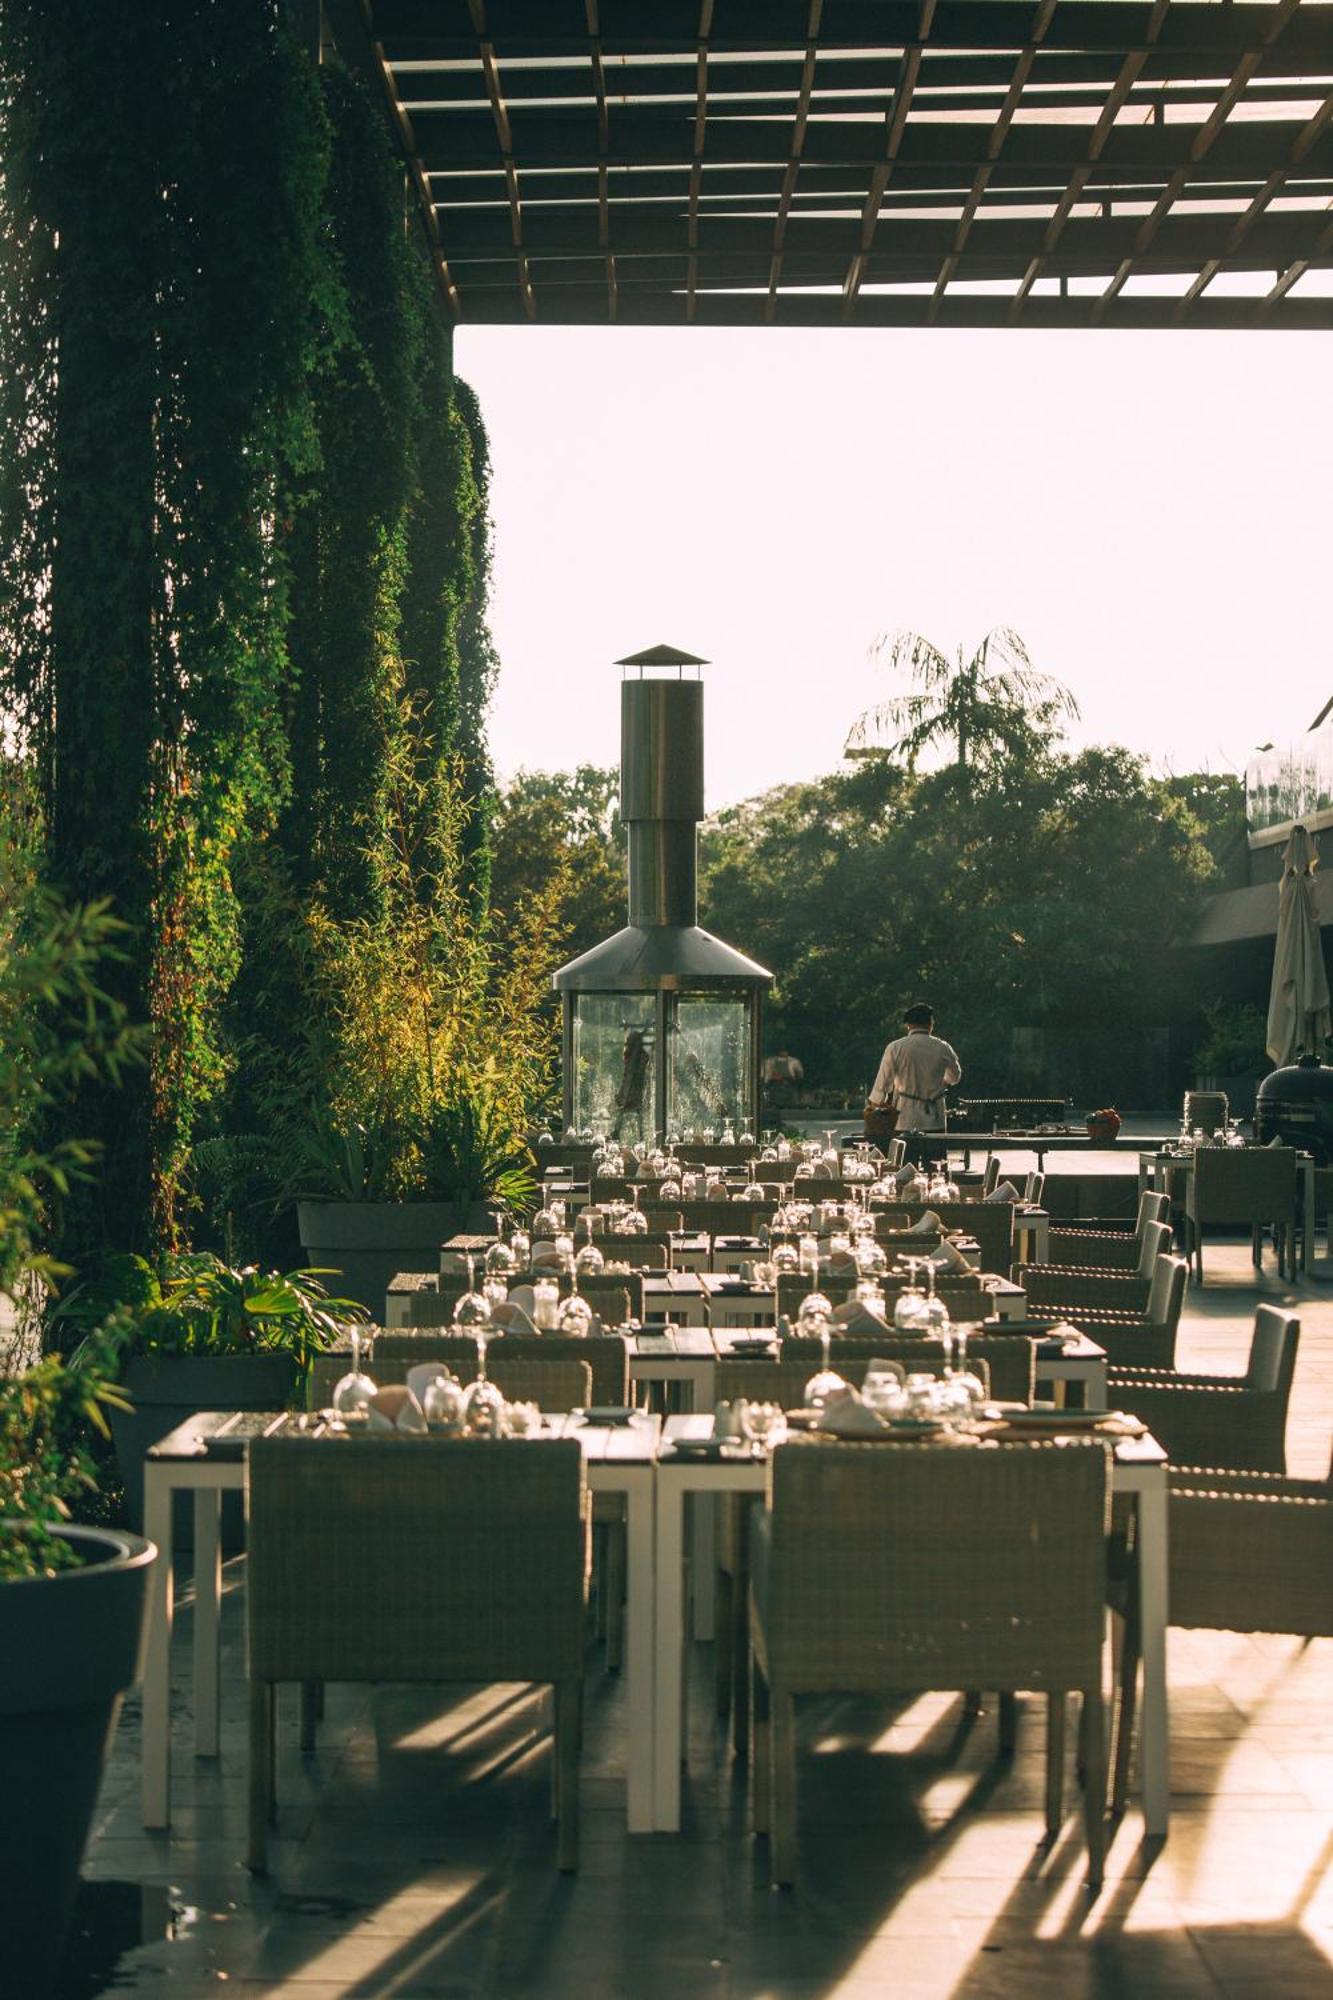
220, 512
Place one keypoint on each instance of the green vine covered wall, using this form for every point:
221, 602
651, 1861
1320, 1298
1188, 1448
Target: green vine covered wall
240, 524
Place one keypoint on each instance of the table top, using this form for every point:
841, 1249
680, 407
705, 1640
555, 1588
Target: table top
701, 1343
198, 1437
1130, 1454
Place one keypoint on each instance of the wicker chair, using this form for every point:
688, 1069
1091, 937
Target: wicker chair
1065, 1288
1251, 1186
416, 1559
991, 1223
1147, 1339
1034, 1190
1238, 1423
991, 1179
840, 1604
1250, 1552
1107, 1249
965, 1297
649, 1251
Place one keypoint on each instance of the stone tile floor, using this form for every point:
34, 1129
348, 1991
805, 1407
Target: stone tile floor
414, 1854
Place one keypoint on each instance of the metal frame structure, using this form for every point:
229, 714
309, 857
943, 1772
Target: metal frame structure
1053, 163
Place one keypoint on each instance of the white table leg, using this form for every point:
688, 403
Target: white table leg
703, 1564
640, 1650
667, 1735
1154, 1746
156, 1771
207, 1617
1094, 1387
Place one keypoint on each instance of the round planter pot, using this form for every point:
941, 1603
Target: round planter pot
369, 1242
70, 1645
166, 1389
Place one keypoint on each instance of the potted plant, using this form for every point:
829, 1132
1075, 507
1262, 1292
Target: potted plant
73, 1602
1103, 1125
72, 1598
198, 1335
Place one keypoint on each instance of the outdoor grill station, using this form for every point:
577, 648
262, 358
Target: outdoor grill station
662, 1022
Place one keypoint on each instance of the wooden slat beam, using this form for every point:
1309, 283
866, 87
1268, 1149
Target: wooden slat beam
349, 24
417, 29
1041, 21
1203, 141
1243, 224
895, 127
603, 147
700, 139
490, 66
793, 169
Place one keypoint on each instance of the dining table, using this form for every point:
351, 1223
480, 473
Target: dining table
207, 1456
1138, 1471
1156, 1168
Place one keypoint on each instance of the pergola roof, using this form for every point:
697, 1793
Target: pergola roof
870, 162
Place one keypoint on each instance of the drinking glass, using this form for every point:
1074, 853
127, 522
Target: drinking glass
589, 1261
483, 1402
809, 1256
910, 1313
499, 1261
472, 1309
937, 1313
351, 1392
959, 1370
827, 1381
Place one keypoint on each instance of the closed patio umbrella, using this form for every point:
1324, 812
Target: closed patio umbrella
1298, 1006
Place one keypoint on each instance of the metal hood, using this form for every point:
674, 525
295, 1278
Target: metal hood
649, 957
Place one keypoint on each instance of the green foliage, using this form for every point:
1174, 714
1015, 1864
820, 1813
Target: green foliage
147, 638
1233, 1041
46, 1415
558, 827
196, 1304
59, 1029
1048, 898
991, 710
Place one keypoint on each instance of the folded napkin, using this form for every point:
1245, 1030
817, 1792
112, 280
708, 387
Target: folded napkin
525, 1299
901, 1175
511, 1316
544, 1257
842, 1261
949, 1258
847, 1414
926, 1225
395, 1409
856, 1317
1003, 1191
823, 1171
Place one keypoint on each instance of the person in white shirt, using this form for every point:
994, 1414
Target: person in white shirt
914, 1073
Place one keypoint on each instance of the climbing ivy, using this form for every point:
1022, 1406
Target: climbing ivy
244, 547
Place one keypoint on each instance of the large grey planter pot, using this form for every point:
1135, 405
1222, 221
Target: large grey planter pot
369, 1241
70, 1645
166, 1389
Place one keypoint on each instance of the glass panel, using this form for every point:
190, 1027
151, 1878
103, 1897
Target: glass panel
614, 1040
1290, 783
709, 1082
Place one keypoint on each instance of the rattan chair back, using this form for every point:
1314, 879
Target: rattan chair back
1154, 1243
1166, 1293
416, 1559
1242, 1184
873, 1586
1273, 1344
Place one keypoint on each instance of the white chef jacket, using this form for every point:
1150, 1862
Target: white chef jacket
915, 1071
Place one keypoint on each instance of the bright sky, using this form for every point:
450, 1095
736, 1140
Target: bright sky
1150, 511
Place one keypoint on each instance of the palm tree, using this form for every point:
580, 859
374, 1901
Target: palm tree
988, 709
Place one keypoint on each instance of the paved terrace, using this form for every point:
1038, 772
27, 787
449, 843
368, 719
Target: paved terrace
414, 1854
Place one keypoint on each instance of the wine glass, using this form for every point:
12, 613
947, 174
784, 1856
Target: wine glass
483, 1401
809, 1256
827, 1381
499, 1261
472, 1309
520, 1243
909, 1311
589, 1261
959, 1371
351, 1392
936, 1314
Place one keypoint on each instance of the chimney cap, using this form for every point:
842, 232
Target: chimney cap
662, 656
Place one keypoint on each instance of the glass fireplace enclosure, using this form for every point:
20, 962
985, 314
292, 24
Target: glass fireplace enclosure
663, 1064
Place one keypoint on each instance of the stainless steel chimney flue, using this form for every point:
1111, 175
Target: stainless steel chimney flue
662, 796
